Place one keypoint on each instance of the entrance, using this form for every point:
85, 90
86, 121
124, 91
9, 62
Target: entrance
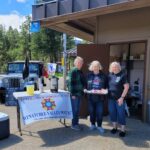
90, 52
132, 59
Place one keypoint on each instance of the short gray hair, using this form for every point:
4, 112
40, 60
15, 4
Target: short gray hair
114, 64
95, 63
77, 59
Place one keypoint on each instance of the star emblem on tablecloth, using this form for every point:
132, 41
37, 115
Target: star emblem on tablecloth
48, 104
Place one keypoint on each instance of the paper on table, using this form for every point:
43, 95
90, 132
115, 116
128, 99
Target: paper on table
103, 91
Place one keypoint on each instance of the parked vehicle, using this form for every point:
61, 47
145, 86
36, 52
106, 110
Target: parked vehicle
13, 81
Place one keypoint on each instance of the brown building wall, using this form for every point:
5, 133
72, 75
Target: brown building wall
127, 27
124, 26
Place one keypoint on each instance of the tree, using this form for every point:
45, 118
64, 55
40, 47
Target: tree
3, 48
25, 37
46, 44
13, 37
70, 42
13, 43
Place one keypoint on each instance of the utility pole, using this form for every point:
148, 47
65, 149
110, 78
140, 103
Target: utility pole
29, 37
65, 62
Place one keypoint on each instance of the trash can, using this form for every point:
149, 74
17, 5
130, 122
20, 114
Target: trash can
4, 126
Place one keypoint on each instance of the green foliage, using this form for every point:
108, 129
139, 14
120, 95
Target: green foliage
45, 45
3, 48
70, 42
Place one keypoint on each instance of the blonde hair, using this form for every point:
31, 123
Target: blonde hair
78, 59
114, 64
95, 63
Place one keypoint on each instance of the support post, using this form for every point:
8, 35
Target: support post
65, 65
65, 62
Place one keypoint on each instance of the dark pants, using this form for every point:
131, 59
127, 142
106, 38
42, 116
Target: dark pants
96, 108
75, 110
116, 112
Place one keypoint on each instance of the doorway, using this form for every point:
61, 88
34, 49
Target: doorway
131, 56
90, 52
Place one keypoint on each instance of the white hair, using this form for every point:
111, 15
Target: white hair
95, 63
78, 59
117, 64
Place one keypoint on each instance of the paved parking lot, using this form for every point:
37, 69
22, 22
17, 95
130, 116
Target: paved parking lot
51, 134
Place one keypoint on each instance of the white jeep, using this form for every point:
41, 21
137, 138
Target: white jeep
13, 81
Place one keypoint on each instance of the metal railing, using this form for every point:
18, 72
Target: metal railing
42, 1
50, 8
108, 1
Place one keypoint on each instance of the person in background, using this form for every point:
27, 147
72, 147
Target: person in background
76, 85
45, 72
118, 87
97, 84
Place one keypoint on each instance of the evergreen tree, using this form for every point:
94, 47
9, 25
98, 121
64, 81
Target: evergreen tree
45, 45
25, 37
3, 49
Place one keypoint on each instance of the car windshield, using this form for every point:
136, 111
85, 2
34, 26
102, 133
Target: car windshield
18, 68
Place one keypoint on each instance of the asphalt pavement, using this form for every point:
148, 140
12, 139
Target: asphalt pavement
51, 135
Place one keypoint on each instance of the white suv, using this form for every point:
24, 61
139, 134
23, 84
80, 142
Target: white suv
13, 80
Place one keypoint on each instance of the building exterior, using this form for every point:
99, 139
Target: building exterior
119, 30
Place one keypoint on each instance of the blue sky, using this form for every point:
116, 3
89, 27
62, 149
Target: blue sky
13, 12
24, 7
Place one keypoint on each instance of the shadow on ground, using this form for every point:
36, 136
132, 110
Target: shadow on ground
62, 136
10, 141
138, 134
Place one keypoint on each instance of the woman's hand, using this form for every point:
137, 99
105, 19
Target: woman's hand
120, 101
85, 90
104, 91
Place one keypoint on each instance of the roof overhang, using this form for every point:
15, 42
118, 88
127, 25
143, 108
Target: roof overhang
82, 24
